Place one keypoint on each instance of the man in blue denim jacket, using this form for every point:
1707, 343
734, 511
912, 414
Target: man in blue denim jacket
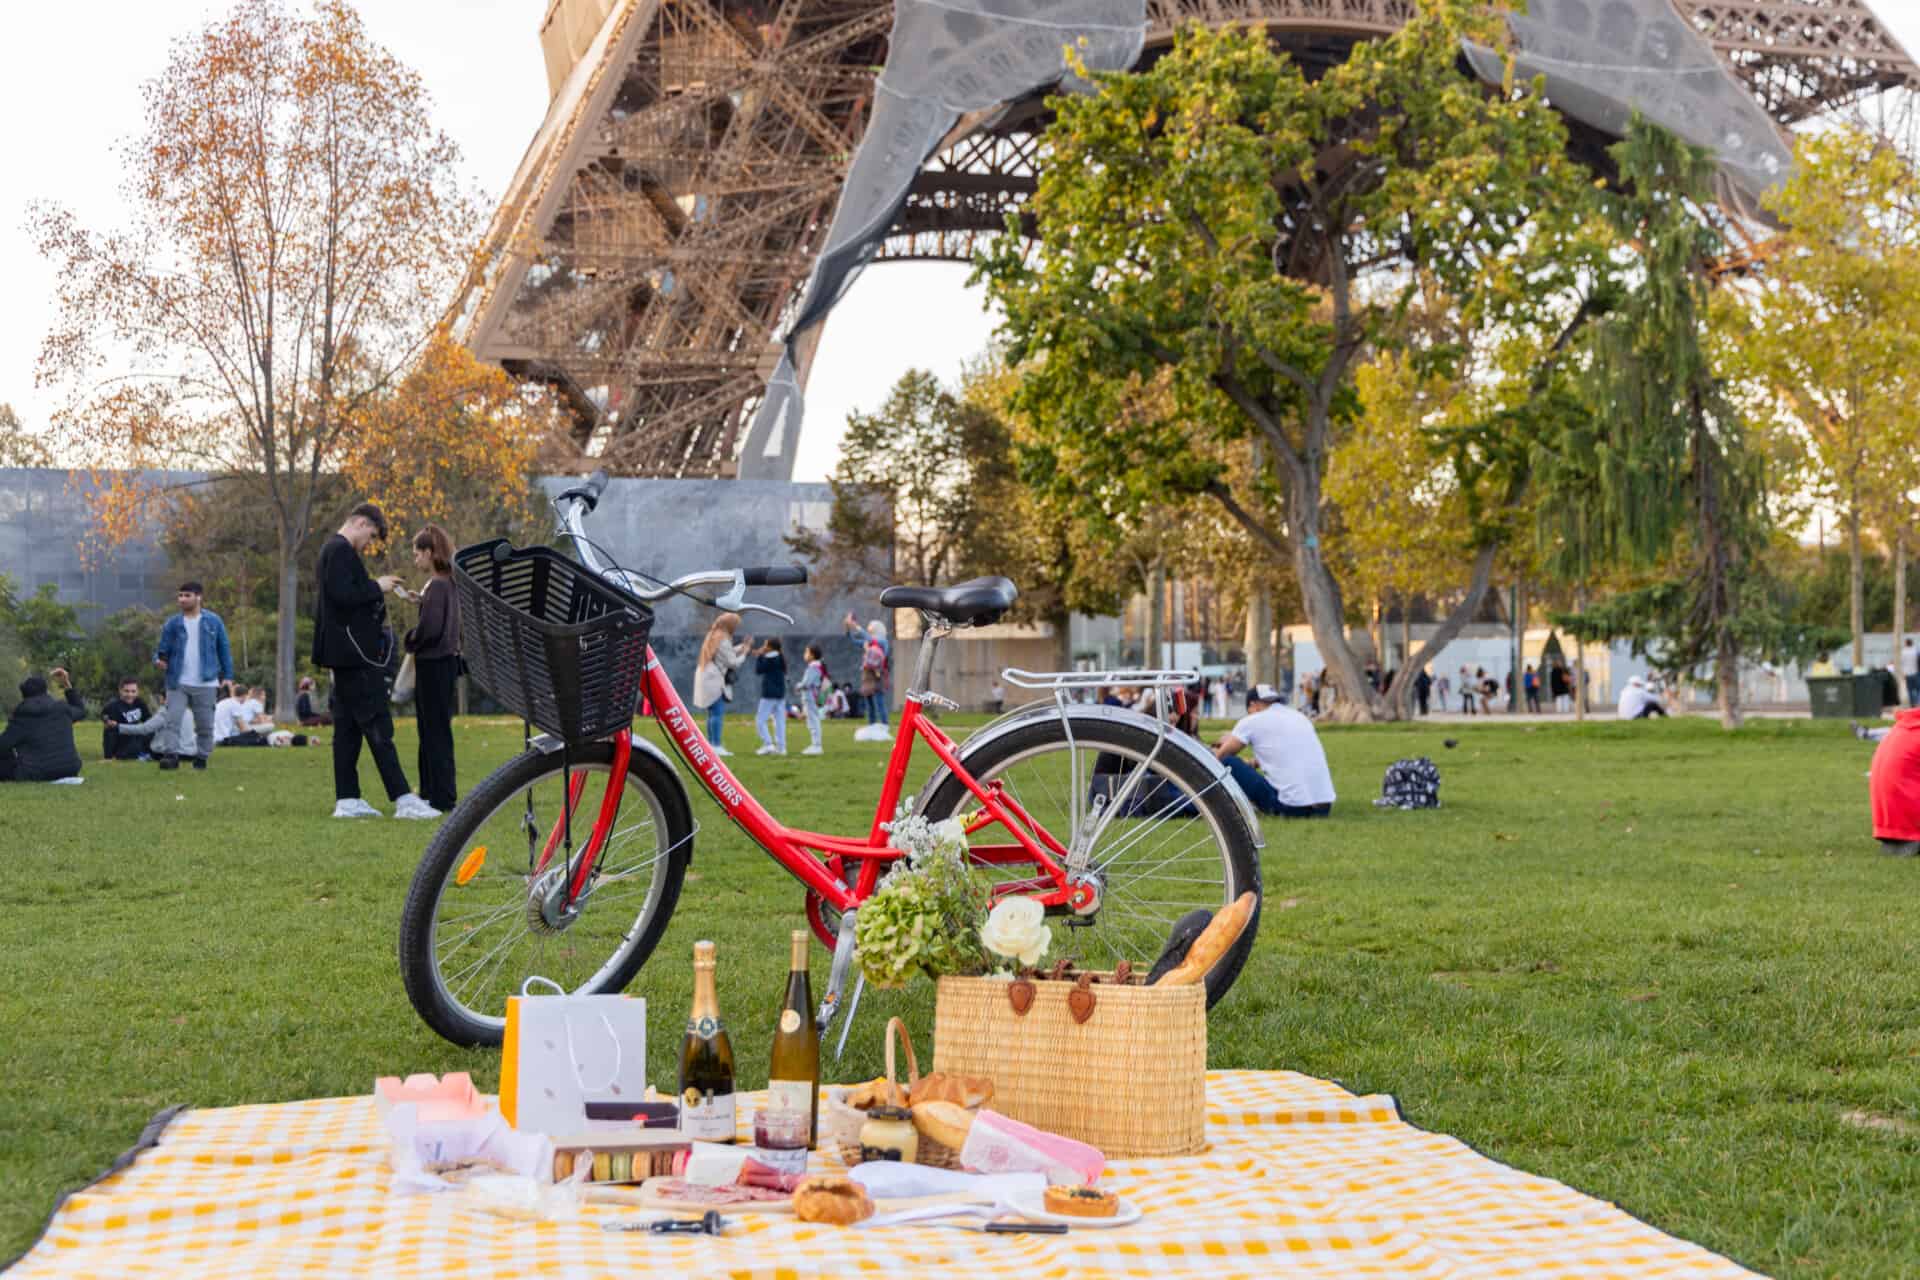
194, 654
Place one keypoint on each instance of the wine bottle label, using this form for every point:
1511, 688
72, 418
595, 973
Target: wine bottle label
707, 1117
790, 1021
705, 1028
791, 1095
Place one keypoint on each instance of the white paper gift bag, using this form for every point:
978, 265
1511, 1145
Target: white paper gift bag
562, 1052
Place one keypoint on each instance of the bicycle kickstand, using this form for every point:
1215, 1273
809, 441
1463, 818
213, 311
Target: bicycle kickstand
837, 983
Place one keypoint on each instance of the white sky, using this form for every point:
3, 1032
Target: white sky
70, 91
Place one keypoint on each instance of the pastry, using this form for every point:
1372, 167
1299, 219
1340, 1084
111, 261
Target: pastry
1185, 930
1228, 924
1082, 1202
877, 1092
944, 1122
840, 1201
941, 1086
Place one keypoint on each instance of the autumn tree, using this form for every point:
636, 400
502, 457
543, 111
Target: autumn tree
296, 224
1828, 327
1216, 215
18, 446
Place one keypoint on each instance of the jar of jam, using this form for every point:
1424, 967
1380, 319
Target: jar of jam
889, 1134
780, 1138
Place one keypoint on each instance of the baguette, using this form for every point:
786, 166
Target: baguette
941, 1086
945, 1122
1217, 939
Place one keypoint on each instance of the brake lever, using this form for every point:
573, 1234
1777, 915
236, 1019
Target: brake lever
760, 608
734, 597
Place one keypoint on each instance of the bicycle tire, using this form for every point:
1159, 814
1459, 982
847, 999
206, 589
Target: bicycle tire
1224, 819
419, 968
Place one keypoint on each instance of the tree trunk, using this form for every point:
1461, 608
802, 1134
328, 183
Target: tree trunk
1900, 612
1377, 633
1326, 612
1856, 589
1403, 688
1579, 663
1726, 674
1155, 656
1062, 623
1260, 664
284, 657
1451, 625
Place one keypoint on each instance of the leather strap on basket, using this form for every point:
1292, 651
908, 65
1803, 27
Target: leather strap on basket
1020, 995
896, 1026
1080, 1000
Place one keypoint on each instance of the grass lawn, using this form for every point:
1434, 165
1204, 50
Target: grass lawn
1664, 965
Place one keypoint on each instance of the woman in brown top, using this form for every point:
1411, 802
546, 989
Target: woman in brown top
435, 646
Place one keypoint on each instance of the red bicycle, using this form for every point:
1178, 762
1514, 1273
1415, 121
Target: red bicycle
1117, 823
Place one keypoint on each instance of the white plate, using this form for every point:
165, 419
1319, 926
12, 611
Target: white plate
1033, 1207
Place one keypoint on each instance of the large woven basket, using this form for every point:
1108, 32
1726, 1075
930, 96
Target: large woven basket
1131, 1079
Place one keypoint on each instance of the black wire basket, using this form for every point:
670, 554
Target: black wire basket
555, 643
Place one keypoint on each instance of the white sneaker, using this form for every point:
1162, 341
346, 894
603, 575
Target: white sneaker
355, 808
814, 750
721, 751
412, 806
767, 749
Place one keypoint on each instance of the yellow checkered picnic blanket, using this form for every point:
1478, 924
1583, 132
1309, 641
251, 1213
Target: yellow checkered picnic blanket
1301, 1178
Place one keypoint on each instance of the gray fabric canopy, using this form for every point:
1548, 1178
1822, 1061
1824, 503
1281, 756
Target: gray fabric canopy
1602, 59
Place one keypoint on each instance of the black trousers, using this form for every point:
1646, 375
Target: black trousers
435, 682
360, 711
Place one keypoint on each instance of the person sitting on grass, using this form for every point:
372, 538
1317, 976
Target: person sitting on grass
1637, 702
126, 710
304, 710
38, 744
1293, 780
250, 725
1893, 785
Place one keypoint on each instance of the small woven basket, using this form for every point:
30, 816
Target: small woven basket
1122, 1066
843, 1121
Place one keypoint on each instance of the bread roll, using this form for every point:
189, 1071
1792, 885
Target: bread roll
840, 1201
945, 1122
942, 1086
1218, 939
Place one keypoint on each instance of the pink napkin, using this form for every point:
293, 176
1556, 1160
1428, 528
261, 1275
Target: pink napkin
440, 1099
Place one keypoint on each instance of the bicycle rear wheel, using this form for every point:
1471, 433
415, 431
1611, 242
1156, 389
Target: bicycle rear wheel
1178, 841
479, 921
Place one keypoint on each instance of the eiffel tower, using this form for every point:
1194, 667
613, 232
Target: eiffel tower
669, 210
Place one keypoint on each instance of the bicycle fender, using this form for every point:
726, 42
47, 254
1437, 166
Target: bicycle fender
546, 744
1192, 748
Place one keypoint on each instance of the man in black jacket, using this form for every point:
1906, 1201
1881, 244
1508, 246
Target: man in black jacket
38, 744
350, 637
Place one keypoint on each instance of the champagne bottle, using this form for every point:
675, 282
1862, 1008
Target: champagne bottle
706, 1060
793, 1082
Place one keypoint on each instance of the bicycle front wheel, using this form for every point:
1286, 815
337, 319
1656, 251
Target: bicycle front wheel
483, 915
1170, 837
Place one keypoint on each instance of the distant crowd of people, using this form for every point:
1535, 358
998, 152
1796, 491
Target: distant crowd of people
815, 696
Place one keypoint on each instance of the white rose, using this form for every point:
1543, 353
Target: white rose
1016, 929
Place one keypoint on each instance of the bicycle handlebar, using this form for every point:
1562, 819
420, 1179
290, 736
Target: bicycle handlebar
588, 493
793, 575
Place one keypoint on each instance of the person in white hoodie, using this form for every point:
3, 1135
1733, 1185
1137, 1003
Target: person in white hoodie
720, 656
1637, 702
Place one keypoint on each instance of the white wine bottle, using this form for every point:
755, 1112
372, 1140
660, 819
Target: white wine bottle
706, 1060
793, 1082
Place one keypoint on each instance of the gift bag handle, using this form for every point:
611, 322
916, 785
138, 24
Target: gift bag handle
896, 1026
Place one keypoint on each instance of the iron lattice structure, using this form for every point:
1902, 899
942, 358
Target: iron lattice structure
669, 210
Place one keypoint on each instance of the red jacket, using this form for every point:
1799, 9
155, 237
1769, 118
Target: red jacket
1894, 783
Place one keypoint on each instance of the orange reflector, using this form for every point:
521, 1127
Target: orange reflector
471, 866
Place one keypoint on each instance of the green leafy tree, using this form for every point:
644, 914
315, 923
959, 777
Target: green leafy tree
1829, 331
1658, 473
905, 501
1217, 216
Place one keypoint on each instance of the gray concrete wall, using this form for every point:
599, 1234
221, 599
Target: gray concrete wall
44, 517
672, 527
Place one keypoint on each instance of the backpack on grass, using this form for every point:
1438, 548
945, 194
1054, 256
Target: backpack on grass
1410, 784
